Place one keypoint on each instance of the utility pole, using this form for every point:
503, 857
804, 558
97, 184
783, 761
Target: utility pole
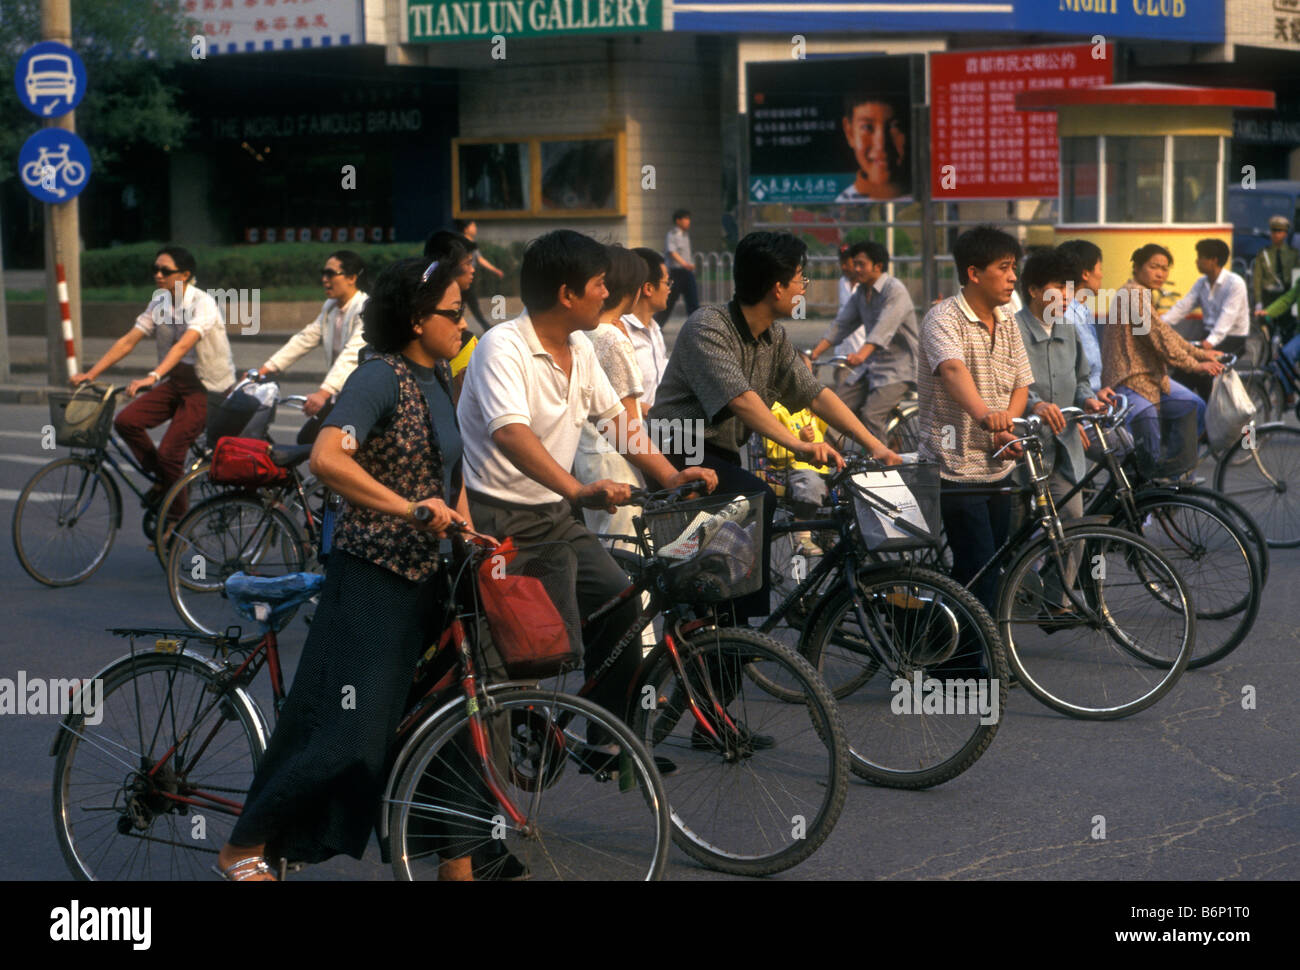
62, 226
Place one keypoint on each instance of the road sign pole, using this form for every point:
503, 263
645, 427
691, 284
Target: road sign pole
62, 226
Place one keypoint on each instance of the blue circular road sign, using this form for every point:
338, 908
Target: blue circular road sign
54, 165
50, 79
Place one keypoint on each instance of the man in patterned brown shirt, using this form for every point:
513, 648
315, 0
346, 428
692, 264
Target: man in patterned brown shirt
974, 377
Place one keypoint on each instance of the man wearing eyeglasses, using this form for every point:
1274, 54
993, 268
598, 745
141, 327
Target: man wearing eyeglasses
194, 360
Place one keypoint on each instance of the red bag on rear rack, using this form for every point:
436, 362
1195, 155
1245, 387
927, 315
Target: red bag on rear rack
531, 634
245, 462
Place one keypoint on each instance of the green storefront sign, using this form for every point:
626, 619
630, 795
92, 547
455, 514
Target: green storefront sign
428, 21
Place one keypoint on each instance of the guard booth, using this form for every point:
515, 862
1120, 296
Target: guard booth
1142, 163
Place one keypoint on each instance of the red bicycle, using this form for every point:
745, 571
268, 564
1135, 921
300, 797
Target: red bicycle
151, 776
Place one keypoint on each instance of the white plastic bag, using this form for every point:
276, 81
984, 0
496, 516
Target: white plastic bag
1230, 409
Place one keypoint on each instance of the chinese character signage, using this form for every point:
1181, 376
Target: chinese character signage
981, 147
430, 21
245, 26
837, 130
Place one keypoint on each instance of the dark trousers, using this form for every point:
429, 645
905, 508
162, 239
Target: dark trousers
599, 579
683, 285
732, 481
180, 398
315, 792
977, 525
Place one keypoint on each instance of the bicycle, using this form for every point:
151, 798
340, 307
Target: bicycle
195, 484
1130, 611
871, 625
902, 427
180, 735
68, 514
758, 779
246, 529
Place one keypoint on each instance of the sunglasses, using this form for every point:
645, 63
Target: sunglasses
329, 274
455, 314
165, 270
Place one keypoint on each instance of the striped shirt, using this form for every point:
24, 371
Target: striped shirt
998, 365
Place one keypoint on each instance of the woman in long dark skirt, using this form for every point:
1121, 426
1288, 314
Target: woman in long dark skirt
390, 445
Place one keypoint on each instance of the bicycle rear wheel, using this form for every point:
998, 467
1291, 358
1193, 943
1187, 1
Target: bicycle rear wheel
65, 520
583, 819
1101, 632
920, 676
761, 787
223, 536
124, 808
1265, 479
904, 434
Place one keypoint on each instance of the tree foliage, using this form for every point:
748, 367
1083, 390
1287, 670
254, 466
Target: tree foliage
127, 46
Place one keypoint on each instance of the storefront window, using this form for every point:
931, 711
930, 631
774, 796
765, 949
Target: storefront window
1079, 179
1135, 168
493, 176
1196, 164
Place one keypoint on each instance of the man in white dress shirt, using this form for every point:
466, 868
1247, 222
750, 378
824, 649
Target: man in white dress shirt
337, 327
1225, 309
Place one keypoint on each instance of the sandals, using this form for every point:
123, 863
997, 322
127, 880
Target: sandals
245, 869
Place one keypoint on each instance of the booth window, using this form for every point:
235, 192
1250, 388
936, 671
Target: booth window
1135, 170
1079, 179
539, 176
1196, 190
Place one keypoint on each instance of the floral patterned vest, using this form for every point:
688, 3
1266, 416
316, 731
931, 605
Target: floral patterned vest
406, 458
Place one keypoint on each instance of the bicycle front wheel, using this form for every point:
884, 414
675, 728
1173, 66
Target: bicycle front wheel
590, 811
1099, 631
65, 521
760, 780
149, 785
196, 487
1263, 474
920, 674
223, 536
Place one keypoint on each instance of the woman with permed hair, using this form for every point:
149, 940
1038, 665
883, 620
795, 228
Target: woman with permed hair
390, 445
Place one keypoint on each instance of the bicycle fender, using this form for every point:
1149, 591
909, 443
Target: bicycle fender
64, 733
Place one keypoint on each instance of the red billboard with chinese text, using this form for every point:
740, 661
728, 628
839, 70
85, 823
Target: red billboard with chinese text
981, 147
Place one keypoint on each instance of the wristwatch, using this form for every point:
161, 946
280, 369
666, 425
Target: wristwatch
155, 375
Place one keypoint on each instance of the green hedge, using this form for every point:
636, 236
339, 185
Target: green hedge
270, 266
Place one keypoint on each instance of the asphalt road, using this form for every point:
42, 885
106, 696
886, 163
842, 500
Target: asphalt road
1195, 788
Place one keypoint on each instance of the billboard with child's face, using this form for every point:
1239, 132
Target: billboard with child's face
832, 130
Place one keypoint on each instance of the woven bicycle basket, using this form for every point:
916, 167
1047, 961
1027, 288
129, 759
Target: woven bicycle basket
82, 418
715, 543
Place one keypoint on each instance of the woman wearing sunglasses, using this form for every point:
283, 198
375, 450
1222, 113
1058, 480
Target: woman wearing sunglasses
194, 361
390, 445
337, 327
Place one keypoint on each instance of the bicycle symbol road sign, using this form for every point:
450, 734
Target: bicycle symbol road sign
50, 79
54, 165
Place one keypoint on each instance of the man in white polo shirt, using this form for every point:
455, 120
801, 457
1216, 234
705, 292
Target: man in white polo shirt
531, 384
194, 361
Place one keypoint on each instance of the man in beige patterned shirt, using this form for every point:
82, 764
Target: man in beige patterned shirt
974, 377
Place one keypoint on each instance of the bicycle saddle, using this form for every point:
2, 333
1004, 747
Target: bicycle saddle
276, 595
286, 456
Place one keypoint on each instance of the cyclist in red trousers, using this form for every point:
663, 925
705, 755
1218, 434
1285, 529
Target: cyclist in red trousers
194, 361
